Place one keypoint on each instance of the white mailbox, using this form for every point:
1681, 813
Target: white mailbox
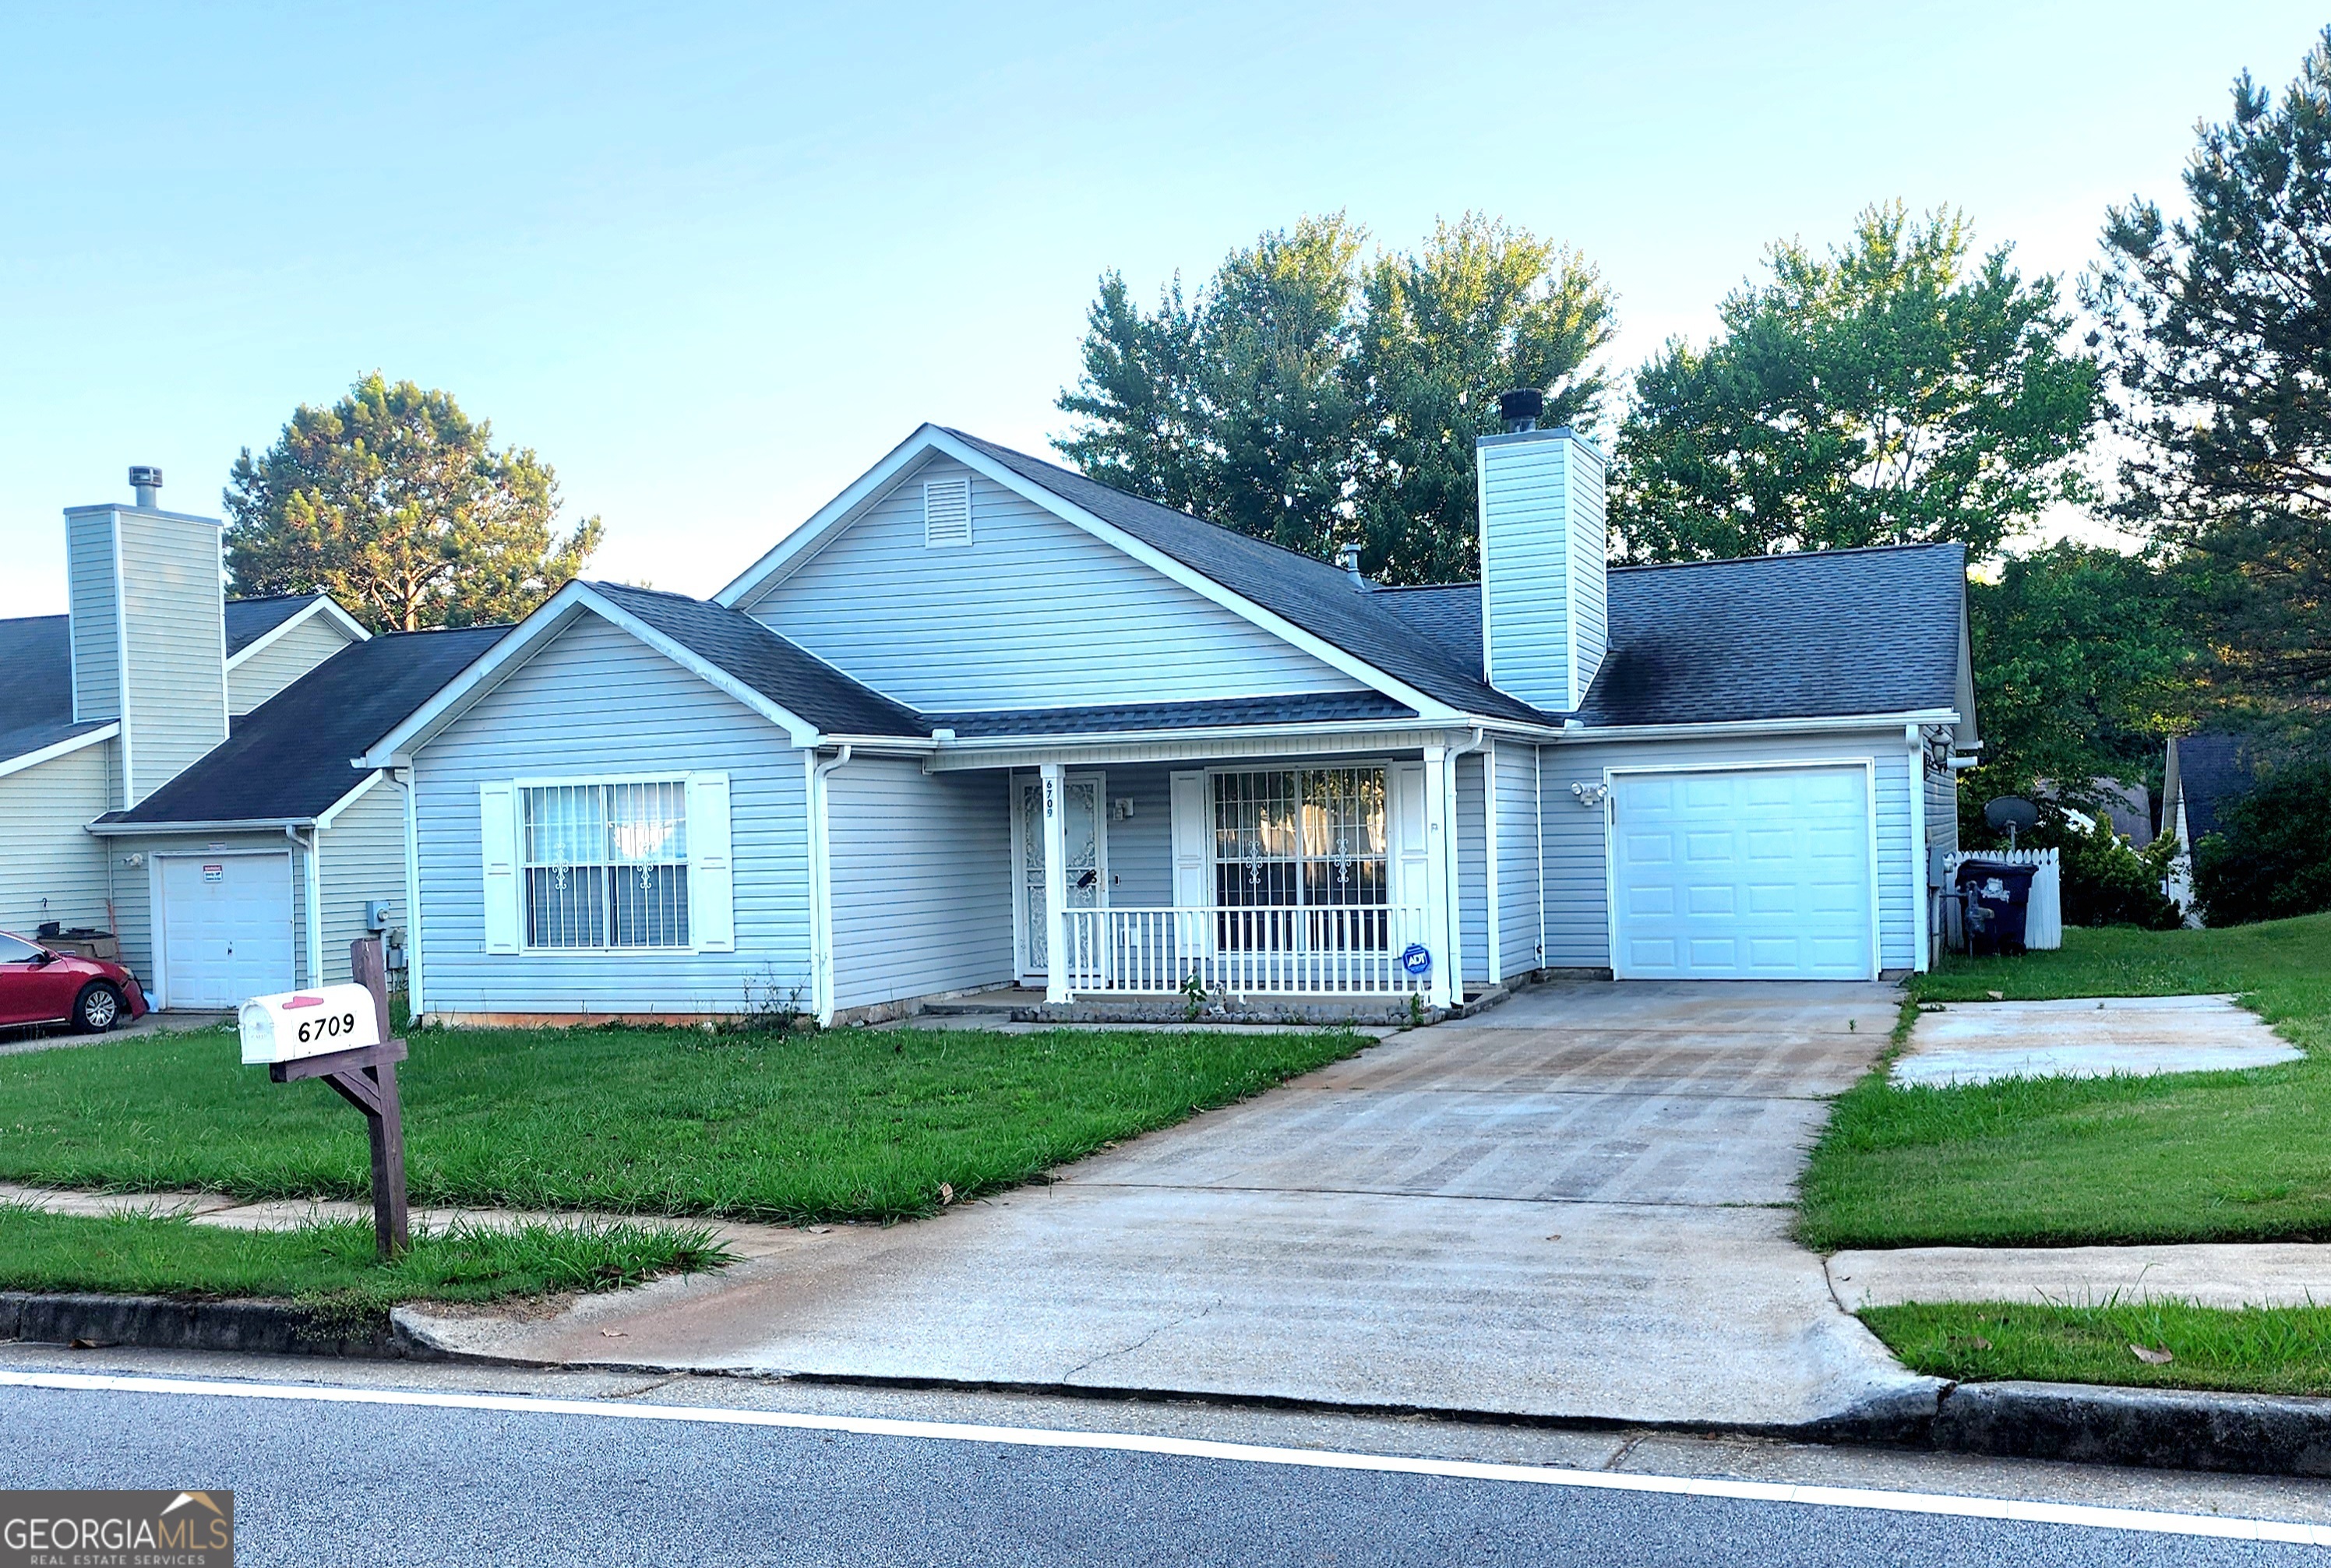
313, 1022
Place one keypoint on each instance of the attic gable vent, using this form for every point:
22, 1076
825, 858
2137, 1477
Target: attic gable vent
947, 512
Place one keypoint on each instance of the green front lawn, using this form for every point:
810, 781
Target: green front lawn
332, 1264
2182, 1157
2255, 1350
843, 1125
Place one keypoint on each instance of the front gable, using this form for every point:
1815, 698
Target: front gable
1033, 611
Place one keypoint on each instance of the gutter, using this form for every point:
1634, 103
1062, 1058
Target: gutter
314, 911
821, 882
233, 825
1582, 734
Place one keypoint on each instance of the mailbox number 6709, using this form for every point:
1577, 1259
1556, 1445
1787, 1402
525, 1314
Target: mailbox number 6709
316, 1028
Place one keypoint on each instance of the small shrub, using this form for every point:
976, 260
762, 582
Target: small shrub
2107, 881
2271, 857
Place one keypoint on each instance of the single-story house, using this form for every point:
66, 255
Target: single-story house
2201, 775
983, 721
174, 764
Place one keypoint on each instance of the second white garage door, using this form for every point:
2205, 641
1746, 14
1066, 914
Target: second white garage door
225, 928
1763, 874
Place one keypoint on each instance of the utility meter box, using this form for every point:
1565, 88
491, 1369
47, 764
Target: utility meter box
313, 1022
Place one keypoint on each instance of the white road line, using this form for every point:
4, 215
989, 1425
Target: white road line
2015, 1509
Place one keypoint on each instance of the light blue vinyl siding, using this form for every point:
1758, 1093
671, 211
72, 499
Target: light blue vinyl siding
1034, 613
176, 685
1472, 869
1141, 849
362, 859
282, 661
1942, 808
921, 888
1589, 574
1517, 872
51, 868
96, 615
1526, 565
596, 701
1577, 922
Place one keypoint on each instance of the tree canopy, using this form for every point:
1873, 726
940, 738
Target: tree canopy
398, 505
1313, 395
1900, 390
2217, 327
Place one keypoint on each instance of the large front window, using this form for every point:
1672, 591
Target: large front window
1300, 839
606, 864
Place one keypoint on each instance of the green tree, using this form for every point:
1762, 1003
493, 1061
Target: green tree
2083, 666
1900, 390
2218, 329
398, 505
1313, 396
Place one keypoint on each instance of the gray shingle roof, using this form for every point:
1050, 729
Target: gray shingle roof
787, 675
36, 689
1323, 707
2211, 773
287, 760
1310, 593
1824, 633
249, 620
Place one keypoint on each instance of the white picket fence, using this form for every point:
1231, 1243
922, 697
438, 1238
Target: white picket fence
2044, 918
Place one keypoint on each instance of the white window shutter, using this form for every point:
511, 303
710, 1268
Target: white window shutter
1412, 851
498, 841
1192, 843
711, 880
947, 512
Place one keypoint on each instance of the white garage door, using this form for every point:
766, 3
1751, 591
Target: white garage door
1763, 874
225, 927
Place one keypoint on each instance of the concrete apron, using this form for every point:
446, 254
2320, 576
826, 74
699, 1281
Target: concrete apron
1571, 1209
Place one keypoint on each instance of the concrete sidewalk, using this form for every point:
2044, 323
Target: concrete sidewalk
2214, 1274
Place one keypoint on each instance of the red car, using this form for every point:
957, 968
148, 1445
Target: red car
41, 986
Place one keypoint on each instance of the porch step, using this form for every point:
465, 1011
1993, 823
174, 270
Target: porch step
999, 1004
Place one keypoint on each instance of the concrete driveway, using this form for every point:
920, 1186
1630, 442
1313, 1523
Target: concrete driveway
1573, 1206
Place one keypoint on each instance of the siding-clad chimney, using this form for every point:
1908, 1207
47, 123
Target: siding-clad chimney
1543, 625
148, 632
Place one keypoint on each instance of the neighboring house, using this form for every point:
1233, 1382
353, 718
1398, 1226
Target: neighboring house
2201, 775
174, 765
984, 721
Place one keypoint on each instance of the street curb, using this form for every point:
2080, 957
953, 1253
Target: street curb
162, 1323
2153, 1429
2157, 1428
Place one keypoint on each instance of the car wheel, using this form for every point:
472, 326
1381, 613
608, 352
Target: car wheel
98, 1009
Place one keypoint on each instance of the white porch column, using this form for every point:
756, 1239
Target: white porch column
1438, 840
1056, 886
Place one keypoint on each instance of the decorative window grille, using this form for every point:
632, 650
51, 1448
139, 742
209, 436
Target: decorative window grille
947, 512
606, 865
1300, 839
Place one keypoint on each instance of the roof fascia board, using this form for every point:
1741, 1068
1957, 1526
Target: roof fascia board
1825, 724
1432, 710
797, 546
331, 813
57, 749
506, 656
227, 825
322, 606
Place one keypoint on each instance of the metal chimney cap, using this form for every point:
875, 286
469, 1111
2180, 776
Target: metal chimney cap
1520, 408
145, 479
1348, 557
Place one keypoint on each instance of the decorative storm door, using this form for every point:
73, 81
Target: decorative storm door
1084, 833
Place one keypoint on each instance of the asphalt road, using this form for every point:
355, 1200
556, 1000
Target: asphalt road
326, 1477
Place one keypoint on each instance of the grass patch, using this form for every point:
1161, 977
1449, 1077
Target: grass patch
2254, 1350
839, 1125
331, 1264
2220, 1156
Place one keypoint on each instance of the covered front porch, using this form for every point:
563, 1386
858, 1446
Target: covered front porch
1234, 877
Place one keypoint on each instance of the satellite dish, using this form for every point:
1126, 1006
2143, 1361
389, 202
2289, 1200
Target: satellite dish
2013, 813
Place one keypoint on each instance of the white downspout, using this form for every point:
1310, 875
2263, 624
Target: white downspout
1914, 737
821, 885
314, 883
416, 1004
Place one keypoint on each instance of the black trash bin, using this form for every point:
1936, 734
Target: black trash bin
1997, 898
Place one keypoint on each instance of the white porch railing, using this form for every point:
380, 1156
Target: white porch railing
1336, 950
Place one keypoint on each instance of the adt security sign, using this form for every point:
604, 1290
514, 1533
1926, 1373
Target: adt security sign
1416, 960
317, 1023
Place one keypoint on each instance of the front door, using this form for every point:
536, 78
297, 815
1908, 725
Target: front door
1084, 833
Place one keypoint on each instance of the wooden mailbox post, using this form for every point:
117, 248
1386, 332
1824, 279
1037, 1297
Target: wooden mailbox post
364, 1076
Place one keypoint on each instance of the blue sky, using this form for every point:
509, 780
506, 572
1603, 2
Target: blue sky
713, 261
